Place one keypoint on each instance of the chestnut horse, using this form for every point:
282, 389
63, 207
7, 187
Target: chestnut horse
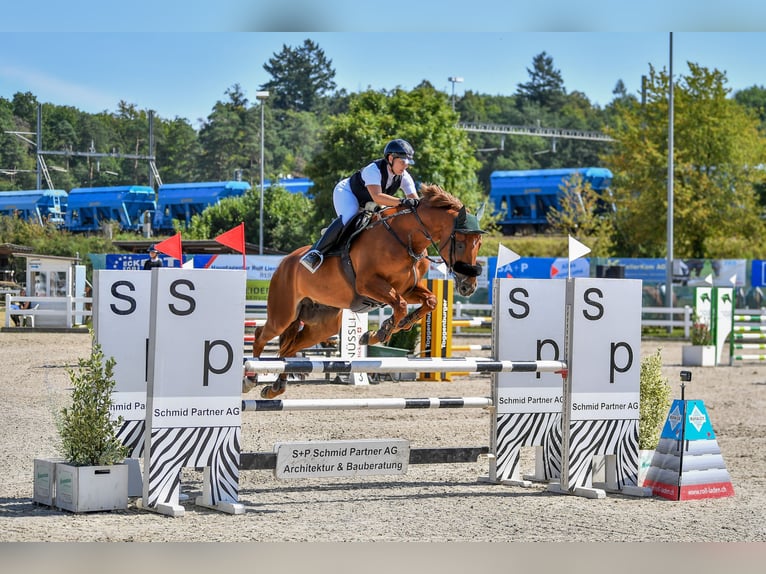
383, 265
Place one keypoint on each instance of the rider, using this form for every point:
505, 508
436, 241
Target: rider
377, 182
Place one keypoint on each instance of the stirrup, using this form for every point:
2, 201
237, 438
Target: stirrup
312, 260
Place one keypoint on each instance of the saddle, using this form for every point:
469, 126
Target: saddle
342, 249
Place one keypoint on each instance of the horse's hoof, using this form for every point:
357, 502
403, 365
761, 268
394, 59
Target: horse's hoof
270, 393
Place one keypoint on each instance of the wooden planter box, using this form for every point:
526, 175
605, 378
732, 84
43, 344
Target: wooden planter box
91, 488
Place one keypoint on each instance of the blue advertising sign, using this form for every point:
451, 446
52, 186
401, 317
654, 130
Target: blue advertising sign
537, 268
758, 273
133, 262
648, 270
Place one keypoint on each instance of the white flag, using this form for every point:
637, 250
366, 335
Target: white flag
189, 264
505, 256
576, 249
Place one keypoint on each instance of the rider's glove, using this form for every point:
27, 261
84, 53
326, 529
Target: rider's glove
411, 202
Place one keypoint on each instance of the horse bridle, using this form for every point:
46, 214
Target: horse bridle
453, 266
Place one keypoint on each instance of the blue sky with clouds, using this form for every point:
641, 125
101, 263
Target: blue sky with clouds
179, 59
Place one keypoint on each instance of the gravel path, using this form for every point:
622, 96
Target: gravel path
431, 503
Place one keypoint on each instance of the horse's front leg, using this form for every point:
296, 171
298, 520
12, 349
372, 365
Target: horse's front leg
382, 291
427, 302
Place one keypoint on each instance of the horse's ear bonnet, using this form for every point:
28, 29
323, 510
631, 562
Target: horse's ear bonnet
467, 223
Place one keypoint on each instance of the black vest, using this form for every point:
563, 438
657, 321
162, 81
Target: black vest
360, 189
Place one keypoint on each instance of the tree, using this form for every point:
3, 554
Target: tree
424, 117
230, 138
545, 86
178, 151
754, 98
582, 214
300, 77
717, 153
286, 218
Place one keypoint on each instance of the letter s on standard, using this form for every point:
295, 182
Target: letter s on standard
520, 302
175, 292
587, 297
117, 295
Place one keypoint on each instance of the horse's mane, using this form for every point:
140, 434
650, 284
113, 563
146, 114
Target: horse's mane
435, 196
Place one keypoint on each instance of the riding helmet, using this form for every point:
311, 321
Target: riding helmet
400, 148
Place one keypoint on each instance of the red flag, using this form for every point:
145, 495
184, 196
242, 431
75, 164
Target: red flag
234, 238
171, 246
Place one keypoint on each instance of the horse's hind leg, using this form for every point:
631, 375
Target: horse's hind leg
279, 386
315, 323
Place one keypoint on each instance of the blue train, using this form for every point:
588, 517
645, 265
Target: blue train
86, 209
523, 198
35, 206
89, 207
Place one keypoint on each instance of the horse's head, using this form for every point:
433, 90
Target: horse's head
465, 242
460, 240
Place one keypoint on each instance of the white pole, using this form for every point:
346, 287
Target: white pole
261, 96
669, 263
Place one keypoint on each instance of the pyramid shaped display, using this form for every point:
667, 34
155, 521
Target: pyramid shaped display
687, 463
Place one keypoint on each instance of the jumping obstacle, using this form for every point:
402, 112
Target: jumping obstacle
187, 409
747, 337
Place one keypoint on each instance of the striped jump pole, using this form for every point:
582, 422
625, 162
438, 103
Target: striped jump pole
748, 332
298, 365
366, 404
471, 347
473, 322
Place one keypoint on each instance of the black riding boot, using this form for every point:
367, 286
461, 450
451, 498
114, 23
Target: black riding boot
313, 259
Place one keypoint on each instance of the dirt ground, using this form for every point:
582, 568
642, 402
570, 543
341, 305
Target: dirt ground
431, 503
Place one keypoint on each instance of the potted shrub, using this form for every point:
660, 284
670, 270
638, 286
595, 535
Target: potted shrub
653, 410
701, 352
93, 476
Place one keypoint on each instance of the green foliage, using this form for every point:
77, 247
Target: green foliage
717, 153
700, 331
655, 401
50, 240
545, 86
423, 116
405, 339
88, 433
526, 246
286, 218
299, 77
582, 214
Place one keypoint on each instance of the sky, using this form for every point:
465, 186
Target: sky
184, 74
179, 58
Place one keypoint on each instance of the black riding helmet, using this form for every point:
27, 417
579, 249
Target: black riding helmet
400, 148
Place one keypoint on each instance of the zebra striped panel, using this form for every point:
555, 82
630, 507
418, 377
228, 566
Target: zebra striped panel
131, 435
528, 429
617, 437
175, 448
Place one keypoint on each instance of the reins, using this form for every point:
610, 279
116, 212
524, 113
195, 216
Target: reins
424, 230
